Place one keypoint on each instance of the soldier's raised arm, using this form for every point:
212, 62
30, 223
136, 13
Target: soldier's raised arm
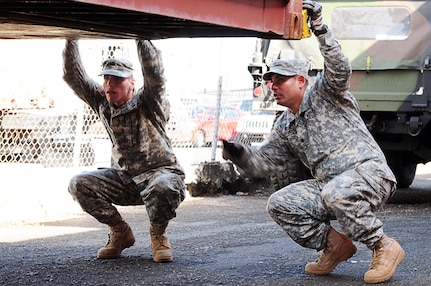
154, 90
76, 77
337, 69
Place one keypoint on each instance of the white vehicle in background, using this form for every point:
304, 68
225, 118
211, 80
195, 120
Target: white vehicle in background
256, 127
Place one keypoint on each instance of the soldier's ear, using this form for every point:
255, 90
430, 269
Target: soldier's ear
301, 80
132, 81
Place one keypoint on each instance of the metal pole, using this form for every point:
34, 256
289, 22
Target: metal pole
78, 136
218, 106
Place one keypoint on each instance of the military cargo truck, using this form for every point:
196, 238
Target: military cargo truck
389, 47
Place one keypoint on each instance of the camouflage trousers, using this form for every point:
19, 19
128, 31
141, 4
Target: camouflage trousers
305, 209
97, 191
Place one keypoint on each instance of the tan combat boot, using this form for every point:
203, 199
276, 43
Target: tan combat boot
338, 248
120, 237
386, 257
160, 245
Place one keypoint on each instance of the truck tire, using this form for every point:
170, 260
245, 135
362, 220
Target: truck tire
294, 172
404, 169
406, 175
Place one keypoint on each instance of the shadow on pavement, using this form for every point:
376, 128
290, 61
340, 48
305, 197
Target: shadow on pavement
418, 193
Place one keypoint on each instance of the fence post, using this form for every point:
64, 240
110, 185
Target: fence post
218, 106
78, 136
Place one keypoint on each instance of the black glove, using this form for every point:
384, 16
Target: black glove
314, 10
232, 150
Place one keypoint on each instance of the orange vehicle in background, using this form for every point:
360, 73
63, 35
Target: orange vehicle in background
205, 124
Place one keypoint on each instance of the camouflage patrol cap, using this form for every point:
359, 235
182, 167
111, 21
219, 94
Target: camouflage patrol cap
117, 67
287, 67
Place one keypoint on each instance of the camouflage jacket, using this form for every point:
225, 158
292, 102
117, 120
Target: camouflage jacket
136, 129
327, 133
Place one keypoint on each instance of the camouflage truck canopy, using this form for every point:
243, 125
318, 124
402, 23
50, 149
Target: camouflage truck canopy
375, 35
389, 47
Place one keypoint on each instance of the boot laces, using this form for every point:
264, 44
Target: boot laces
111, 234
109, 239
377, 258
321, 257
161, 239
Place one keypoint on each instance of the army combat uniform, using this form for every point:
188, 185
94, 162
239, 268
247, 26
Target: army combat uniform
144, 169
351, 177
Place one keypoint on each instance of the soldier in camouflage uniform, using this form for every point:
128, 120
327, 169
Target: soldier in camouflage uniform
144, 169
352, 180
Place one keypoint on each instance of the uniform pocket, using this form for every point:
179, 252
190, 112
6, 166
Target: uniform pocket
376, 177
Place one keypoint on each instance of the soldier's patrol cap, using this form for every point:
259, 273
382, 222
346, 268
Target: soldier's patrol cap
287, 67
117, 67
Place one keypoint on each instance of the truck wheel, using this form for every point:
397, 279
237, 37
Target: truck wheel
295, 171
199, 140
406, 176
403, 168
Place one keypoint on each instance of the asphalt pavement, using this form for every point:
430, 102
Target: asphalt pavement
225, 240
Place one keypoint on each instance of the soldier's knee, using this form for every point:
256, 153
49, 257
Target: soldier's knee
331, 200
168, 184
75, 185
272, 205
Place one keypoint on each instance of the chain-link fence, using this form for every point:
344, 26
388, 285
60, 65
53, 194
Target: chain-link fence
194, 121
50, 138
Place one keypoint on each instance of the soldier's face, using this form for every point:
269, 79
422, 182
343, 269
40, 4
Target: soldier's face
287, 90
118, 90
